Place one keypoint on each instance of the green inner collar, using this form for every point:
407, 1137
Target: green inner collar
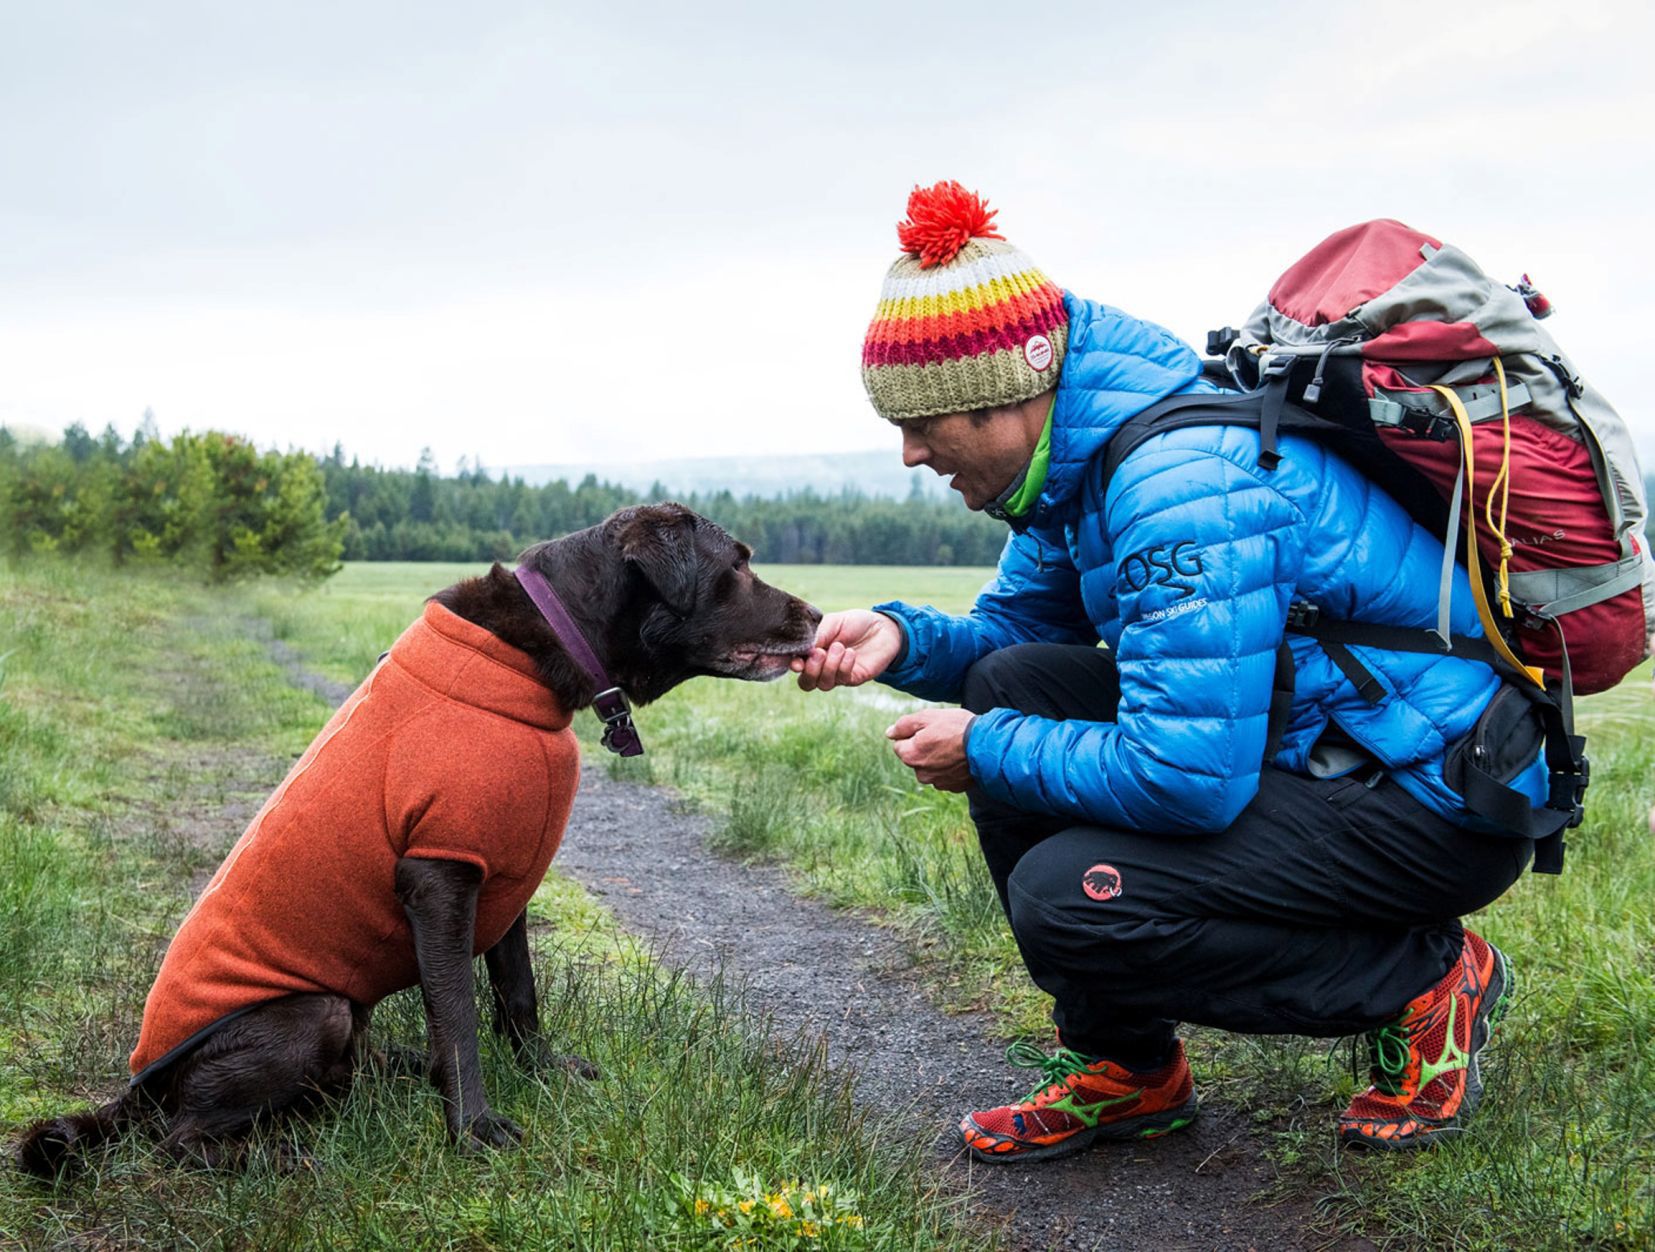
1035, 478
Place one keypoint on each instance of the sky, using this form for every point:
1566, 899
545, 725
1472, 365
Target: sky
582, 233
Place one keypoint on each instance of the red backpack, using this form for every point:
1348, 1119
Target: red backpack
1396, 328
1440, 384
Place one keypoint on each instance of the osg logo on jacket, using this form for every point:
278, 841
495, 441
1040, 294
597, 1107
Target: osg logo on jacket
1166, 565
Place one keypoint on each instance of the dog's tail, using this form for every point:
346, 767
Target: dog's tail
50, 1148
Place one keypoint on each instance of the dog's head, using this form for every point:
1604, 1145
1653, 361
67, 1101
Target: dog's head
681, 600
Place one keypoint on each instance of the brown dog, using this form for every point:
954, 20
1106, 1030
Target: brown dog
410, 835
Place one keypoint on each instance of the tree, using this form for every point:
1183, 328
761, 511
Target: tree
78, 444
422, 505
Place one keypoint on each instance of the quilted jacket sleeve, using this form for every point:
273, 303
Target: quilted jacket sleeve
1206, 556
1034, 598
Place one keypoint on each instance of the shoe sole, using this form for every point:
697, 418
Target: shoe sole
1145, 1126
1497, 998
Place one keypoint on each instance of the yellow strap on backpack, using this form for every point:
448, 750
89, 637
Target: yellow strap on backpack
1502, 485
1473, 562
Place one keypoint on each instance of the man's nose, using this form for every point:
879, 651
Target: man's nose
914, 451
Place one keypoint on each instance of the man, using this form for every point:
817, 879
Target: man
1154, 865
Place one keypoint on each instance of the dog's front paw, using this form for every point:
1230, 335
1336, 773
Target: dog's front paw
489, 1130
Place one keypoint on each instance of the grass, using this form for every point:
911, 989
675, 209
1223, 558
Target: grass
131, 707
1563, 1153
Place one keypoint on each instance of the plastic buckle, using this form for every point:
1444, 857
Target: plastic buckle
620, 735
1277, 365
1427, 425
1302, 615
1219, 342
1569, 791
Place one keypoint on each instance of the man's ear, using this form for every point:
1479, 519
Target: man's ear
659, 542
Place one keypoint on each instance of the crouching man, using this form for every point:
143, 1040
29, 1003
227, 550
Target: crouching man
1157, 864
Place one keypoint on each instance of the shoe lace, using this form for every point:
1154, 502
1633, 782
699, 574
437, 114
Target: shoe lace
1054, 1069
1389, 1049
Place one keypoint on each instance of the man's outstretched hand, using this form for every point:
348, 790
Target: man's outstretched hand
851, 648
931, 742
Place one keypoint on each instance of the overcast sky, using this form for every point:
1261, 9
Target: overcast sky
557, 232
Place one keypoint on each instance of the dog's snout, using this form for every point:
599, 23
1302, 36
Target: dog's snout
813, 615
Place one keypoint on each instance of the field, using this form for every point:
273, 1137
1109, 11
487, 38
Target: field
100, 714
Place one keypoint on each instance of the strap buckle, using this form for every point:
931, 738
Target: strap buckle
1302, 615
1568, 790
620, 736
1426, 424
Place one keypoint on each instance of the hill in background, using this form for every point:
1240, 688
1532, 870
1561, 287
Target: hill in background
871, 473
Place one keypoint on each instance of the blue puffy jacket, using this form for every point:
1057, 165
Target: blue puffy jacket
1185, 567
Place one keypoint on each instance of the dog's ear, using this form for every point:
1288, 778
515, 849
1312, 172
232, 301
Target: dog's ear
659, 542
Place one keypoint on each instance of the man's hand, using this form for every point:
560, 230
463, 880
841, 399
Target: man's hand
931, 742
851, 648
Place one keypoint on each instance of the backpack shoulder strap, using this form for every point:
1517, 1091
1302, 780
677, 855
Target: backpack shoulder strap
1265, 410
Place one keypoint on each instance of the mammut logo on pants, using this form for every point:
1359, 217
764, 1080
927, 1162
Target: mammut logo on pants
1101, 882
1170, 565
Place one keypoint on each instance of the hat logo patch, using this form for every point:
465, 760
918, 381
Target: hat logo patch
1038, 352
1101, 882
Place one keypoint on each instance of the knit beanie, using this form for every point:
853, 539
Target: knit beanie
965, 321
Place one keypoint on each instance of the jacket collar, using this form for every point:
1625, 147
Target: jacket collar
465, 663
1115, 367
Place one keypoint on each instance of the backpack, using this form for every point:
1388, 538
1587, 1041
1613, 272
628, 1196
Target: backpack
1398, 352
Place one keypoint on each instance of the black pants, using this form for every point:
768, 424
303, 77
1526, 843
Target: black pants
1325, 908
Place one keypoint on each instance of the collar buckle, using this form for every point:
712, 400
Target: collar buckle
620, 736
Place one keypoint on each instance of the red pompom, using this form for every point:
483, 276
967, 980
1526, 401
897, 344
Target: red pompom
941, 219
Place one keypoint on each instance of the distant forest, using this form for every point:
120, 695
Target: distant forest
420, 515
214, 501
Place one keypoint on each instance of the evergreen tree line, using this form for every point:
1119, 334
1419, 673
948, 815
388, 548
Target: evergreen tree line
419, 515
214, 502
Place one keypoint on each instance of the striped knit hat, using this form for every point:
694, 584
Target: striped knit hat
965, 321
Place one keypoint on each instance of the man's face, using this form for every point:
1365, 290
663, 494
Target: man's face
979, 453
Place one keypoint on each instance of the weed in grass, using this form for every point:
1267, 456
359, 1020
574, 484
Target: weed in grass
35, 906
761, 810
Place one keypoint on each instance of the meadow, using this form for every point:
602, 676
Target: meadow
1563, 1152
94, 729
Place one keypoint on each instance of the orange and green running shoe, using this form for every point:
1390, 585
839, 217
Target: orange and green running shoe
1426, 1081
1080, 1100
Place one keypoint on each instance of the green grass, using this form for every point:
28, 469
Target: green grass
1563, 1153
130, 707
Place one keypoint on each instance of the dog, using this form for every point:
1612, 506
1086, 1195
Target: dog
410, 835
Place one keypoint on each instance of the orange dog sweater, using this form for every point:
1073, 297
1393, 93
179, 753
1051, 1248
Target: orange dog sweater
452, 749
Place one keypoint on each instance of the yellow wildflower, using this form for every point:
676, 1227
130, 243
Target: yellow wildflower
853, 1220
746, 1206
809, 1229
701, 1206
779, 1206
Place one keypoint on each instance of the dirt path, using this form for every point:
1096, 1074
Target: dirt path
816, 969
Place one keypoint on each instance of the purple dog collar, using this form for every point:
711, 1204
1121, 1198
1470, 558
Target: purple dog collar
620, 736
